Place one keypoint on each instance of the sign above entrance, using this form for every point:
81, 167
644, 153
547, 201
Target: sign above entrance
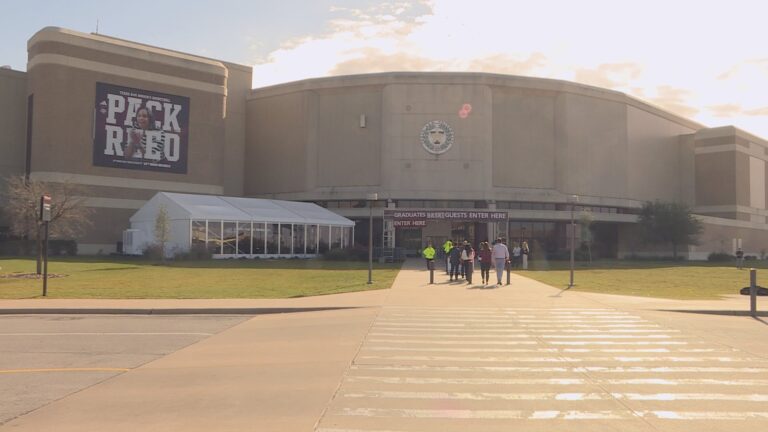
462, 216
436, 137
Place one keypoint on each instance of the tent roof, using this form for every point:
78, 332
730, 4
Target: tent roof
211, 207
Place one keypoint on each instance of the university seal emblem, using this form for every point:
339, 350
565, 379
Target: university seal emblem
436, 137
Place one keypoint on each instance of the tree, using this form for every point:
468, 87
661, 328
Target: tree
69, 215
669, 222
162, 230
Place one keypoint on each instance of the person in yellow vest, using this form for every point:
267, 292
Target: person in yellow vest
447, 246
429, 254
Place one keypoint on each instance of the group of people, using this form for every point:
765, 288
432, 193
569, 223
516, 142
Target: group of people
460, 259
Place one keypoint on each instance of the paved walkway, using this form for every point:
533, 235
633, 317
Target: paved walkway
442, 357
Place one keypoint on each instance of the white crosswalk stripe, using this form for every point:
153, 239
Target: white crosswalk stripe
434, 368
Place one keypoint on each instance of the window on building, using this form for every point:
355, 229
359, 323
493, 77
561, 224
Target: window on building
198, 233
311, 239
259, 238
244, 238
286, 235
214, 237
325, 238
229, 238
273, 234
298, 239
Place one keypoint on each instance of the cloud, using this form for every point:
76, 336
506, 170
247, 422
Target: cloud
725, 110
747, 67
362, 40
757, 112
609, 75
370, 60
675, 100
506, 64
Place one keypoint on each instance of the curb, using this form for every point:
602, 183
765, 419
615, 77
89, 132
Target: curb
168, 311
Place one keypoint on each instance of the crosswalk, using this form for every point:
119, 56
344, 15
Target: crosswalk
567, 369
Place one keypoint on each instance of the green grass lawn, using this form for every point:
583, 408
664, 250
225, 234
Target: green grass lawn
662, 279
135, 278
110, 278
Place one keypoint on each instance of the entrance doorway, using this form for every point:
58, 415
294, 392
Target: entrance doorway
473, 232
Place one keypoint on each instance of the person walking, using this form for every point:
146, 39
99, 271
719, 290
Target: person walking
468, 260
516, 252
429, 254
447, 246
484, 255
500, 255
739, 258
454, 256
526, 251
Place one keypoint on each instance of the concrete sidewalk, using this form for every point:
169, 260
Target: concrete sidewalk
283, 372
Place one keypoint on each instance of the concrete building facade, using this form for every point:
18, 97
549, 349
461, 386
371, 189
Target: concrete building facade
450, 155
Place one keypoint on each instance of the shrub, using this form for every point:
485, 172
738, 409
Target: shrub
198, 252
152, 252
720, 257
17, 248
62, 247
29, 248
357, 253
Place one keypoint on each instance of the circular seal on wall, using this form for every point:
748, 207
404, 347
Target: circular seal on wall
436, 137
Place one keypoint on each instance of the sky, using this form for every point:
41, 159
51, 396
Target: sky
706, 60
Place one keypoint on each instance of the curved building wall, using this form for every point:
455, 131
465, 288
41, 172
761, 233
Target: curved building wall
525, 147
524, 139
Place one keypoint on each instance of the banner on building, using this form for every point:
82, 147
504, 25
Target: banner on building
140, 129
419, 218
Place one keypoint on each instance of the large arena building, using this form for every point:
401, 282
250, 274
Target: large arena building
450, 155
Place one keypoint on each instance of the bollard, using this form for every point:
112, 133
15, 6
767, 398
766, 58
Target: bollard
508, 265
753, 292
431, 266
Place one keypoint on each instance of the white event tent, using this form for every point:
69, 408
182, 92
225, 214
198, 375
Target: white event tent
239, 227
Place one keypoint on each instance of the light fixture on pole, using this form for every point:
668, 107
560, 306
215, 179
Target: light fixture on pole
573, 199
372, 198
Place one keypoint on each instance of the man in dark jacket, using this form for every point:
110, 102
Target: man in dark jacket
454, 256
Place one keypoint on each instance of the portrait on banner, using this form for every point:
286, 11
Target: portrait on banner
140, 129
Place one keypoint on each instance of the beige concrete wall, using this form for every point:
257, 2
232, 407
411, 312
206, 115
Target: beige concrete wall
465, 170
523, 138
276, 159
239, 82
716, 178
64, 67
656, 163
720, 235
526, 139
591, 157
13, 122
348, 155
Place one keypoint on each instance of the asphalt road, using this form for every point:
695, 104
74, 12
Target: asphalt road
44, 358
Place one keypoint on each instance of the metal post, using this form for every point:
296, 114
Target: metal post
508, 266
45, 262
431, 265
573, 200
370, 242
371, 198
753, 292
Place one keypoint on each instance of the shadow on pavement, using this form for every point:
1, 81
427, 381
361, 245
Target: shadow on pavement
722, 312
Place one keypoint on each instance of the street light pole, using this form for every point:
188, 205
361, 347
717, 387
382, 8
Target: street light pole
372, 197
573, 199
